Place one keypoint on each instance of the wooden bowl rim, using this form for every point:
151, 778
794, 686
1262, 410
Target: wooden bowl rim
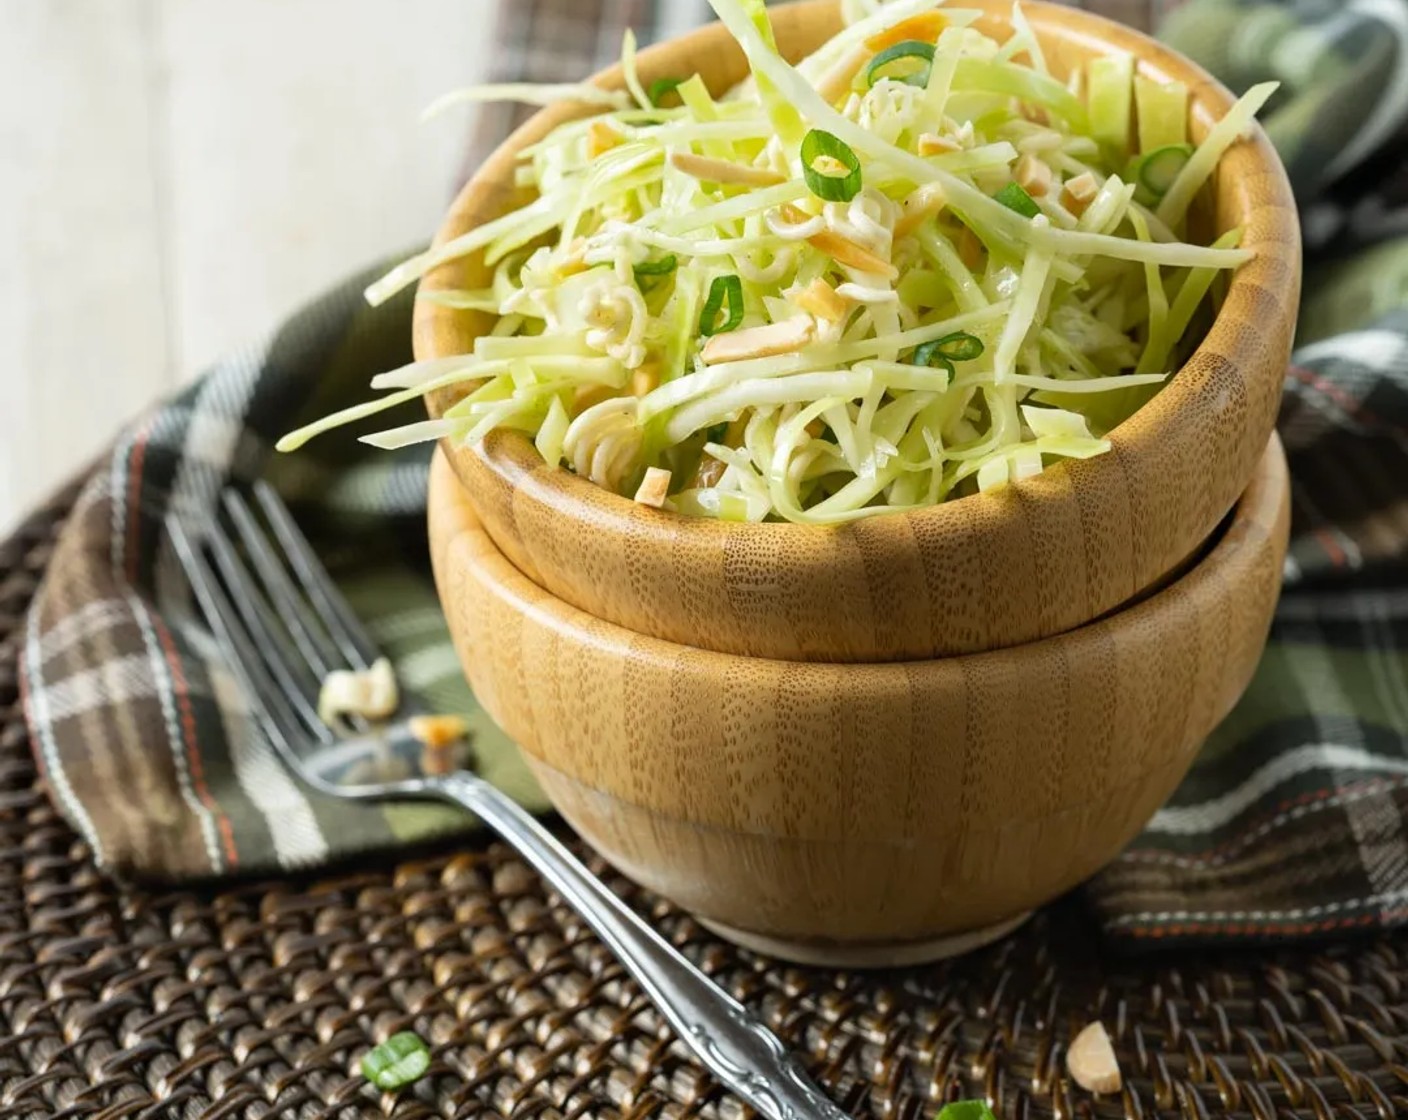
1232, 560
514, 458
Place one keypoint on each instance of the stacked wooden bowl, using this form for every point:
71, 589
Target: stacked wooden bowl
885, 741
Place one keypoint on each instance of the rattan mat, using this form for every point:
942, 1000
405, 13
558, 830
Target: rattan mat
258, 1000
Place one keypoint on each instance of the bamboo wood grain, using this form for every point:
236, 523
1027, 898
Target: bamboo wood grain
863, 803
1020, 563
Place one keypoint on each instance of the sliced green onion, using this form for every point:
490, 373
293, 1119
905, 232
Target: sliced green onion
832, 188
908, 48
1015, 198
661, 88
663, 267
1158, 170
397, 1062
941, 353
966, 1110
648, 273
728, 287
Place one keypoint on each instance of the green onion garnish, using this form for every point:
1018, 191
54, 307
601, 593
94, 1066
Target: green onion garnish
966, 1110
1156, 171
661, 88
1015, 198
909, 48
960, 346
663, 267
648, 273
728, 287
400, 1060
941, 353
832, 188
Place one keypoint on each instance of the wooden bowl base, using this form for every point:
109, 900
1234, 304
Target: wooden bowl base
867, 954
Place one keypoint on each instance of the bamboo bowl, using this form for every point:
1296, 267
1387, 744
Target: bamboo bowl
985, 572
862, 813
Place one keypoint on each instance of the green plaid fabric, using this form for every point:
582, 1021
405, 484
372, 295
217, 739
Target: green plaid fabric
1291, 823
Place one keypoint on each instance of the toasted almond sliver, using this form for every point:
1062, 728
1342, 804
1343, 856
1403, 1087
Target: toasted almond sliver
970, 249
601, 137
1079, 192
847, 252
712, 170
587, 395
654, 487
1091, 1061
1033, 175
760, 342
438, 731
920, 204
821, 300
709, 473
925, 27
933, 144
836, 82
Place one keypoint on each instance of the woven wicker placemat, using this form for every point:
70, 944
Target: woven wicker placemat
258, 1000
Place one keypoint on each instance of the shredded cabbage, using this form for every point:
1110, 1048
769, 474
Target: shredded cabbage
958, 289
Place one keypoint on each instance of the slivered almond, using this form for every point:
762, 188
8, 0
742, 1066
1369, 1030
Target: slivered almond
601, 137
934, 144
760, 342
1079, 192
438, 731
845, 251
920, 204
654, 487
587, 395
1033, 175
838, 248
1091, 1061
970, 249
712, 170
836, 82
821, 300
709, 473
645, 378
926, 27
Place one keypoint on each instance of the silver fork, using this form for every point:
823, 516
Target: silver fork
283, 626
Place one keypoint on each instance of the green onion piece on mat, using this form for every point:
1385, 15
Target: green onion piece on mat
400, 1060
723, 288
909, 48
661, 88
1015, 198
832, 188
966, 1110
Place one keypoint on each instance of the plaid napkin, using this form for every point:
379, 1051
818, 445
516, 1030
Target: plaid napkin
1292, 822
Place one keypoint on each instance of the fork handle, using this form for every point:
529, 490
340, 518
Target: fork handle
738, 1049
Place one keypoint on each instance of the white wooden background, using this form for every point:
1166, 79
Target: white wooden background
175, 175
